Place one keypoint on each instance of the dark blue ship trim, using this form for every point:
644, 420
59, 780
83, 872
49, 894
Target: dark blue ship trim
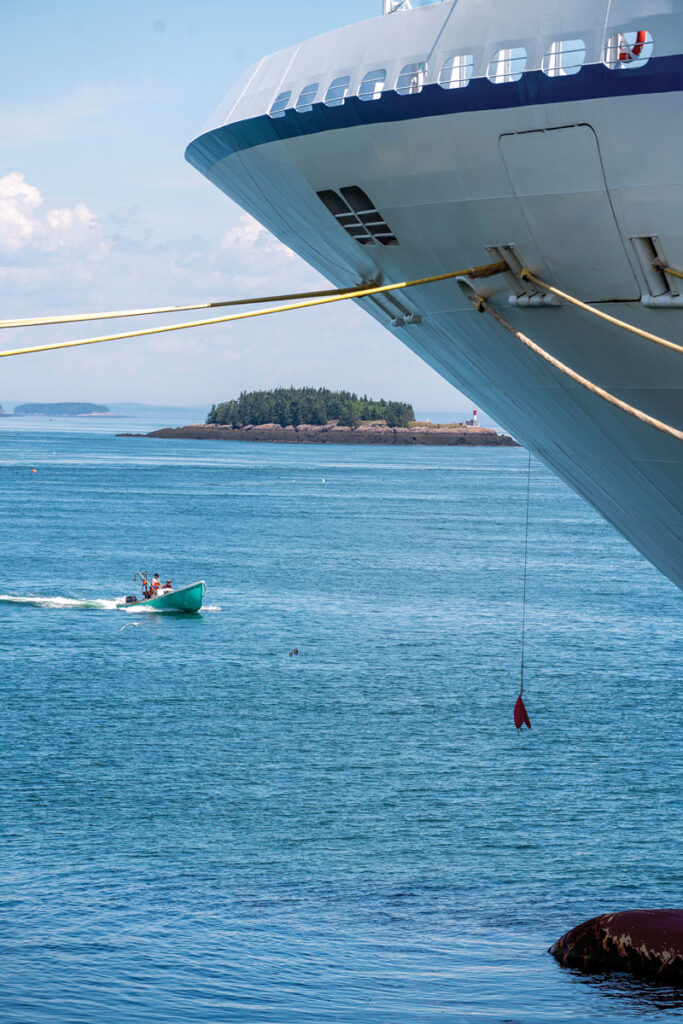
595, 81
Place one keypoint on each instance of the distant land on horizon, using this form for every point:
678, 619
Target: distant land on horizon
196, 412
125, 409
148, 408
61, 409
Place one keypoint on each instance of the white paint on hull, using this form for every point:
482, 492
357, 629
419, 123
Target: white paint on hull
569, 185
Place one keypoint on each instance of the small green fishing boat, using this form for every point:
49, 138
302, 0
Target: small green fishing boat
185, 599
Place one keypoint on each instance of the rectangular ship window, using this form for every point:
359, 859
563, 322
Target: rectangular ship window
507, 65
628, 50
372, 85
456, 71
411, 80
564, 57
336, 94
280, 105
307, 98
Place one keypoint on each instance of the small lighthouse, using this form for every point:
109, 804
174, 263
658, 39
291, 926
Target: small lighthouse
475, 421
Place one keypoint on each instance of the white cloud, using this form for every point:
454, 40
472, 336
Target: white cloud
18, 203
59, 260
23, 226
246, 260
70, 227
251, 240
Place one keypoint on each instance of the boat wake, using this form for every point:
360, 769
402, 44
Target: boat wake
91, 604
137, 610
41, 601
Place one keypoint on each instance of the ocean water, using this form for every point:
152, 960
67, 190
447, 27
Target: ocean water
198, 827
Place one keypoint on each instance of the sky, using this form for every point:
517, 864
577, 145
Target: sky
99, 210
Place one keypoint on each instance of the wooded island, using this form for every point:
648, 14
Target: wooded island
320, 416
60, 409
316, 406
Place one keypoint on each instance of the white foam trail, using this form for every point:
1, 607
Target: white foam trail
92, 604
135, 608
40, 601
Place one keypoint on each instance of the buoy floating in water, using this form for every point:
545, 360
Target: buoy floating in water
645, 942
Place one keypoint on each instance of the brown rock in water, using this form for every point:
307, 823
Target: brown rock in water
332, 433
643, 942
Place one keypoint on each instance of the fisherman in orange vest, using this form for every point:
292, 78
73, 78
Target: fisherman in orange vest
156, 584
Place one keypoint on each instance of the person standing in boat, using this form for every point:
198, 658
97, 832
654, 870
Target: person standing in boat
156, 585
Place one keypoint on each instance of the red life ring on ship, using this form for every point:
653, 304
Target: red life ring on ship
627, 52
641, 39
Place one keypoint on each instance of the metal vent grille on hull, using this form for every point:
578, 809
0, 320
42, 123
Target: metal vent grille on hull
354, 210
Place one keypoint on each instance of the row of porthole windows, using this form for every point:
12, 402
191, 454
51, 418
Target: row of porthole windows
624, 50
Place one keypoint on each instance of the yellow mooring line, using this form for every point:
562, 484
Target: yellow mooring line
320, 298
483, 307
488, 270
659, 265
75, 318
526, 275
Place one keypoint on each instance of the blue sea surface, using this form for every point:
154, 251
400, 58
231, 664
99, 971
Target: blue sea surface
198, 826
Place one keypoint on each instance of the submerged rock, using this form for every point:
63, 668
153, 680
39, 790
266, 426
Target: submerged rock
644, 942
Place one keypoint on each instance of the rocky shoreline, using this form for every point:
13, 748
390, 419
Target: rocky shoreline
332, 433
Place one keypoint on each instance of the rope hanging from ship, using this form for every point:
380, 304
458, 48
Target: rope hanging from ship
483, 307
487, 270
661, 265
526, 275
74, 318
307, 300
326, 295
520, 713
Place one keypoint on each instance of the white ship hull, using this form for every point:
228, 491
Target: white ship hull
566, 170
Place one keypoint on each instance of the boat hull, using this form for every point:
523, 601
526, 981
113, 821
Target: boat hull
553, 176
187, 599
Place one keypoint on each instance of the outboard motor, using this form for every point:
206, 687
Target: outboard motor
131, 599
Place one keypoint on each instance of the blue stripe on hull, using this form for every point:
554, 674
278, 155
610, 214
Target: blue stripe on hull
659, 75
